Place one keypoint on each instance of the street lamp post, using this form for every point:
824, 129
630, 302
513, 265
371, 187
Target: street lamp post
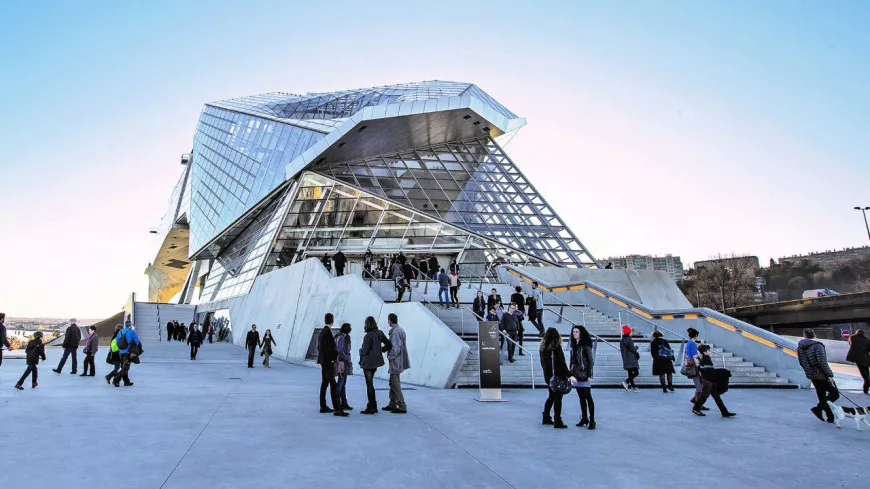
864, 211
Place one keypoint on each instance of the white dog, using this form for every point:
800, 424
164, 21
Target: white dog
859, 414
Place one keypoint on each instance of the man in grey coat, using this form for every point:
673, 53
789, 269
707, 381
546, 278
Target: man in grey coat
71, 340
399, 362
92, 346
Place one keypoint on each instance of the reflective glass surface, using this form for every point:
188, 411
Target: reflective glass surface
237, 160
326, 215
473, 185
232, 273
345, 103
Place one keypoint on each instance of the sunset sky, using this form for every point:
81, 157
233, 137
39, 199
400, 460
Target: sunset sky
683, 127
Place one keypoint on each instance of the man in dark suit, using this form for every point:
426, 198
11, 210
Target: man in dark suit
520, 300
327, 353
252, 341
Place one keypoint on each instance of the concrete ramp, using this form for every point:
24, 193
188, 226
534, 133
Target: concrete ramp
653, 289
292, 301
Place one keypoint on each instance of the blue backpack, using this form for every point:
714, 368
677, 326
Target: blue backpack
664, 351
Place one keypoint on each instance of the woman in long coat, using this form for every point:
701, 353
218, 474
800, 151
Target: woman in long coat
663, 361
371, 357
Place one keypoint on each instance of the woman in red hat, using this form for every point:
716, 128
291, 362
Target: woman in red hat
630, 357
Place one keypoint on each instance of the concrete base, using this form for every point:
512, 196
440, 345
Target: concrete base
214, 423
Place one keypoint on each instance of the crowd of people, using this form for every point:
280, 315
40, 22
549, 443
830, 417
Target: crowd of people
336, 365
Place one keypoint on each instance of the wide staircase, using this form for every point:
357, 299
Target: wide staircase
150, 318
526, 369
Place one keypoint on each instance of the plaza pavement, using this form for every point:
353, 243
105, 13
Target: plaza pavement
215, 424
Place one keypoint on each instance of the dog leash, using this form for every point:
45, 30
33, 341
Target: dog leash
847, 397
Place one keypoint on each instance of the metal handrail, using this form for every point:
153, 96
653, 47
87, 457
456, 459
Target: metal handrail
587, 330
656, 327
529, 354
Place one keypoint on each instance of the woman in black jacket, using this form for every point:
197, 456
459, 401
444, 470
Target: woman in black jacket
35, 350
266, 346
371, 356
553, 363
479, 306
582, 365
663, 361
859, 353
708, 384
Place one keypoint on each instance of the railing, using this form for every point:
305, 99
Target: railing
657, 327
528, 353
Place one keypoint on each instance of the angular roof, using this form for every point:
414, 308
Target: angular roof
323, 111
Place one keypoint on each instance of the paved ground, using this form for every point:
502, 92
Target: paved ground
213, 423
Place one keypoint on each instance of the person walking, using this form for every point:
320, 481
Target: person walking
493, 301
399, 362
92, 346
443, 286
814, 361
194, 339
114, 358
71, 339
553, 363
327, 263
434, 267
538, 296
424, 269
34, 351
520, 300
210, 332
396, 270
345, 370
4, 340
127, 340
184, 332
510, 324
371, 357
582, 365
402, 284
408, 270
479, 306
859, 354
266, 346
252, 341
663, 361
169, 331
708, 383
340, 261
691, 360
630, 358
327, 353
454, 287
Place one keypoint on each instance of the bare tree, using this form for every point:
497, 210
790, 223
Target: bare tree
731, 279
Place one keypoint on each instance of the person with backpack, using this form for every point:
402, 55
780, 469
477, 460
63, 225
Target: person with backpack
371, 357
691, 360
114, 358
663, 361
859, 354
709, 379
92, 346
128, 345
194, 339
630, 358
34, 352
582, 365
71, 339
814, 361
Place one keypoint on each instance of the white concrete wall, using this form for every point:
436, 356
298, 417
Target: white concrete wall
292, 301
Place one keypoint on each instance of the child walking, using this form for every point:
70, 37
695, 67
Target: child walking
34, 351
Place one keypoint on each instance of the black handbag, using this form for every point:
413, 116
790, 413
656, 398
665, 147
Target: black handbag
559, 385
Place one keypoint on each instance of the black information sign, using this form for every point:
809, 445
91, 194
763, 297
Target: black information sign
488, 352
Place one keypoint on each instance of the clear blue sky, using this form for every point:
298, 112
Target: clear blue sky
690, 128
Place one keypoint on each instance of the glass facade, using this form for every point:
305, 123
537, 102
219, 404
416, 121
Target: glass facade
457, 195
474, 185
327, 215
232, 273
237, 160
